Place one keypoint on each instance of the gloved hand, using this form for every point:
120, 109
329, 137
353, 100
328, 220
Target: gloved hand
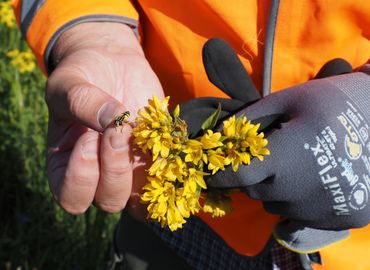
318, 171
305, 191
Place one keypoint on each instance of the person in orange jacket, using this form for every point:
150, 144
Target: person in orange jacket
98, 69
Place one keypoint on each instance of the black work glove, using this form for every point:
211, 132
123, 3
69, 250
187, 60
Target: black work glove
318, 170
318, 173
289, 181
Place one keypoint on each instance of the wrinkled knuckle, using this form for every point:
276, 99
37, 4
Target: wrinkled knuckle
82, 181
114, 174
78, 98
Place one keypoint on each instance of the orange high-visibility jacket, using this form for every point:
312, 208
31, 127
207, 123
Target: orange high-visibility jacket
281, 43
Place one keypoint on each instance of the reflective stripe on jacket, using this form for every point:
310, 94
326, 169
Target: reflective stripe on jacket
278, 50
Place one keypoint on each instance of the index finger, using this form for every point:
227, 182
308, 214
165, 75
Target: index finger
70, 97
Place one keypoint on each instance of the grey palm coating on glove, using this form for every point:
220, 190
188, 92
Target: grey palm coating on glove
318, 173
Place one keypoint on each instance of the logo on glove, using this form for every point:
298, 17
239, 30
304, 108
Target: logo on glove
351, 142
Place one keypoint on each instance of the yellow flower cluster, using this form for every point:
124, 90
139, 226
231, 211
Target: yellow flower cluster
176, 177
6, 14
23, 61
243, 141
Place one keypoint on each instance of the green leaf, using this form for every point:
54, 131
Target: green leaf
212, 119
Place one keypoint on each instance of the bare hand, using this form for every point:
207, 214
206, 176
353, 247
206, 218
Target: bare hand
101, 72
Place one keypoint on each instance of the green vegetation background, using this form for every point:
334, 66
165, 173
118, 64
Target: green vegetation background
34, 232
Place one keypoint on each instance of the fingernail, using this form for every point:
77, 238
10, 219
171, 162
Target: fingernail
90, 149
106, 114
118, 141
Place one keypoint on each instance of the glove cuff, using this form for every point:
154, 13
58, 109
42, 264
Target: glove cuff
306, 240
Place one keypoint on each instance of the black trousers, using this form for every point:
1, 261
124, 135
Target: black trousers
138, 248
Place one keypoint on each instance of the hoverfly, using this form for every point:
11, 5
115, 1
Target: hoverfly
120, 119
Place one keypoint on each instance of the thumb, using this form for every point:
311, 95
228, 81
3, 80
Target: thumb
71, 97
225, 70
